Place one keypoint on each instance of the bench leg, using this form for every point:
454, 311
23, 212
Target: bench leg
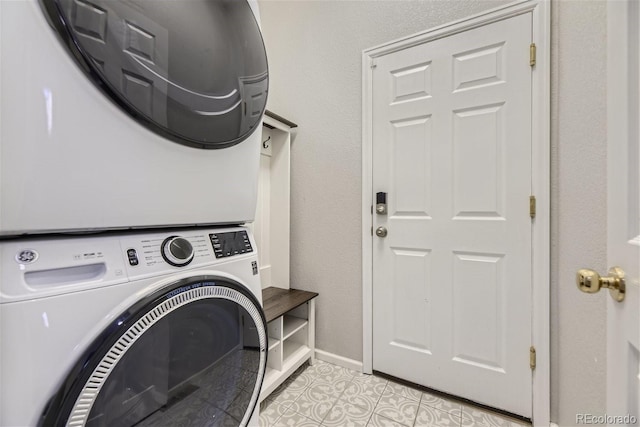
311, 317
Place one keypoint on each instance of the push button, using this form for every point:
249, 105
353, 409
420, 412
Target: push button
133, 257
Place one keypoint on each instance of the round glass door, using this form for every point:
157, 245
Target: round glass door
193, 354
193, 71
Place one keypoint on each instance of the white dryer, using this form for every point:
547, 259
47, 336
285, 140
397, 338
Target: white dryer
137, 329
128, 114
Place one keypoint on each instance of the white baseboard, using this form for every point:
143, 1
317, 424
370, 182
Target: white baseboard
345, 362
553, 425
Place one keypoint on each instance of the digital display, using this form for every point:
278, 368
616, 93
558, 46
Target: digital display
231, 243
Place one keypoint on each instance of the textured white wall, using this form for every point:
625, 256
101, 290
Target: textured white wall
578, 207
314, 50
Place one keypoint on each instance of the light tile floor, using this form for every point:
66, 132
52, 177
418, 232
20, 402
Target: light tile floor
329, 395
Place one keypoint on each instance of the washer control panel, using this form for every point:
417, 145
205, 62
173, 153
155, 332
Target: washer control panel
39, 267
156, 251
230, 243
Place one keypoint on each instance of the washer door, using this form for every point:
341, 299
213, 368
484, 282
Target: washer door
194, 71
193, 354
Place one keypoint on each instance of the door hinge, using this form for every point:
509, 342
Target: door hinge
532, 206
372, 230
532, 357
372, 64
532, 54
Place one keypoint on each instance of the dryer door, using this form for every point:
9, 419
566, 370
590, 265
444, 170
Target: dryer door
194, 71
193, 354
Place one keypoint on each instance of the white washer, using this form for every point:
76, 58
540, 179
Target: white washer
123, 114
103, 331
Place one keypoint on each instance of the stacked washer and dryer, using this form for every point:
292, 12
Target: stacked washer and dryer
129, 156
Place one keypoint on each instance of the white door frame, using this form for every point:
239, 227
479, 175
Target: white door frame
540, 334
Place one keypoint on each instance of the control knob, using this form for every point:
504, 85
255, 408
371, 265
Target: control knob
177, 251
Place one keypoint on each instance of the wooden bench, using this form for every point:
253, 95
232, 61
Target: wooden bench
290, 315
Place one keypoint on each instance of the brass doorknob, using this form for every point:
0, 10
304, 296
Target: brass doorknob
590, 282
381, 232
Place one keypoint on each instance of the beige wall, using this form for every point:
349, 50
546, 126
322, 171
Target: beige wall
314, 50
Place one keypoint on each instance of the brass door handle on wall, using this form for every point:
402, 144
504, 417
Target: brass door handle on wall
590, 282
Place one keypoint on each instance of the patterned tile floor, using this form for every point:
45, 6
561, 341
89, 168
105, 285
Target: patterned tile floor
329, 395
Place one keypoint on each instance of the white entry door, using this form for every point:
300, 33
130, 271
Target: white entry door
623, 178
452, 277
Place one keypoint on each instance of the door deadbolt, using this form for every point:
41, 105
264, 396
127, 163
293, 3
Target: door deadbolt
381, 232
591, 282
381, 203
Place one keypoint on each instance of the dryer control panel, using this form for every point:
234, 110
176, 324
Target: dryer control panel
230, 243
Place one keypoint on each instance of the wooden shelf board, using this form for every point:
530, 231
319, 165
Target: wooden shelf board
292, 325
293, 353
273, 343
278, 301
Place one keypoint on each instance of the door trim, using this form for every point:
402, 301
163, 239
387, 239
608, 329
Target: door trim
541, 110
620, 119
